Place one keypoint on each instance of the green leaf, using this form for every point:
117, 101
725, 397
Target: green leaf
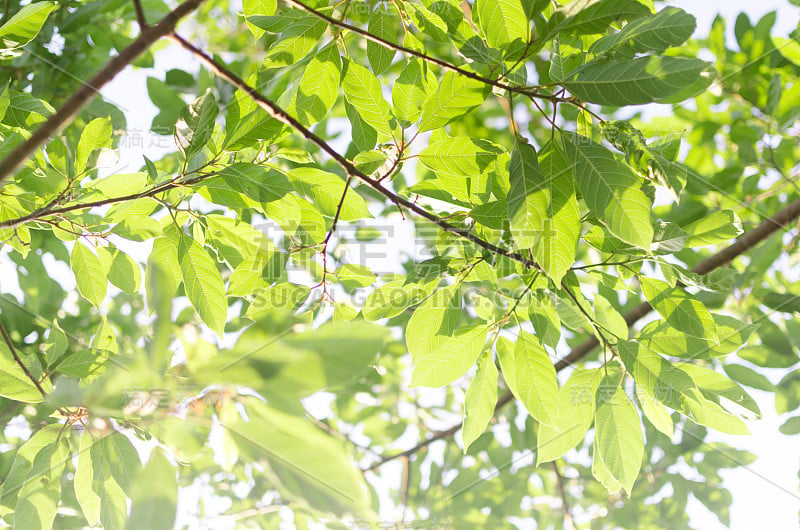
411, 90
610, 320
461, 164
319, 86
120, 268
14, 383
355, 275
393, 298
659, 378
306, 462
618, 438
89, 274
434, 319
655, 412
26, 23
791, 426
296, 42
16, 477
591, 16
480, 400
639, 81
154, 494
263, 8
576, 407
96, 135
452, 356
383, 23
193, 128
203, 284
528, 197
610, 189
679, 309
106, 466
561, 229
256, 182
502, 21
456, 96
162, 274
39, 495
531, 376
544, 318
718, 227
660, 336
363, 91
669, 27
720, 389
326, 189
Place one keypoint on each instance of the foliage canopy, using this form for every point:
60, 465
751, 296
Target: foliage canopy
362, 198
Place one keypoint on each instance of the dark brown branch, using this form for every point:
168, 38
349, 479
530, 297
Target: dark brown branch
85, 93
140, 18
569, 523
740, 246
17, 359
279, 114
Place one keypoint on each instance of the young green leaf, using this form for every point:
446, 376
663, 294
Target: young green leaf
326, 189
717, 227
383, 23
618, 438
193, 128
561, 229
89, 274
576, 407
610, 189
296, 42
40, 493
96, 135
669, 27
203, 284
502, 21
363, 91
263, 8
451, 357
319, 86
26, 23
528, 197
642, 80
679, 309
480, 400
14, 382
531, 376
456, 96
411, 90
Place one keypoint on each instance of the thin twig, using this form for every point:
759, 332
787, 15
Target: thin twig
569, 523
17, 359
140, 18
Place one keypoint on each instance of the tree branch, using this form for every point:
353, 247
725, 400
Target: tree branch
45, 212
569, 523
83, 95
282, 116
408, 51
746, 242
17, 359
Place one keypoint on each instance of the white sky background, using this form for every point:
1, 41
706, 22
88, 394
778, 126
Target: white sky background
765, 494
